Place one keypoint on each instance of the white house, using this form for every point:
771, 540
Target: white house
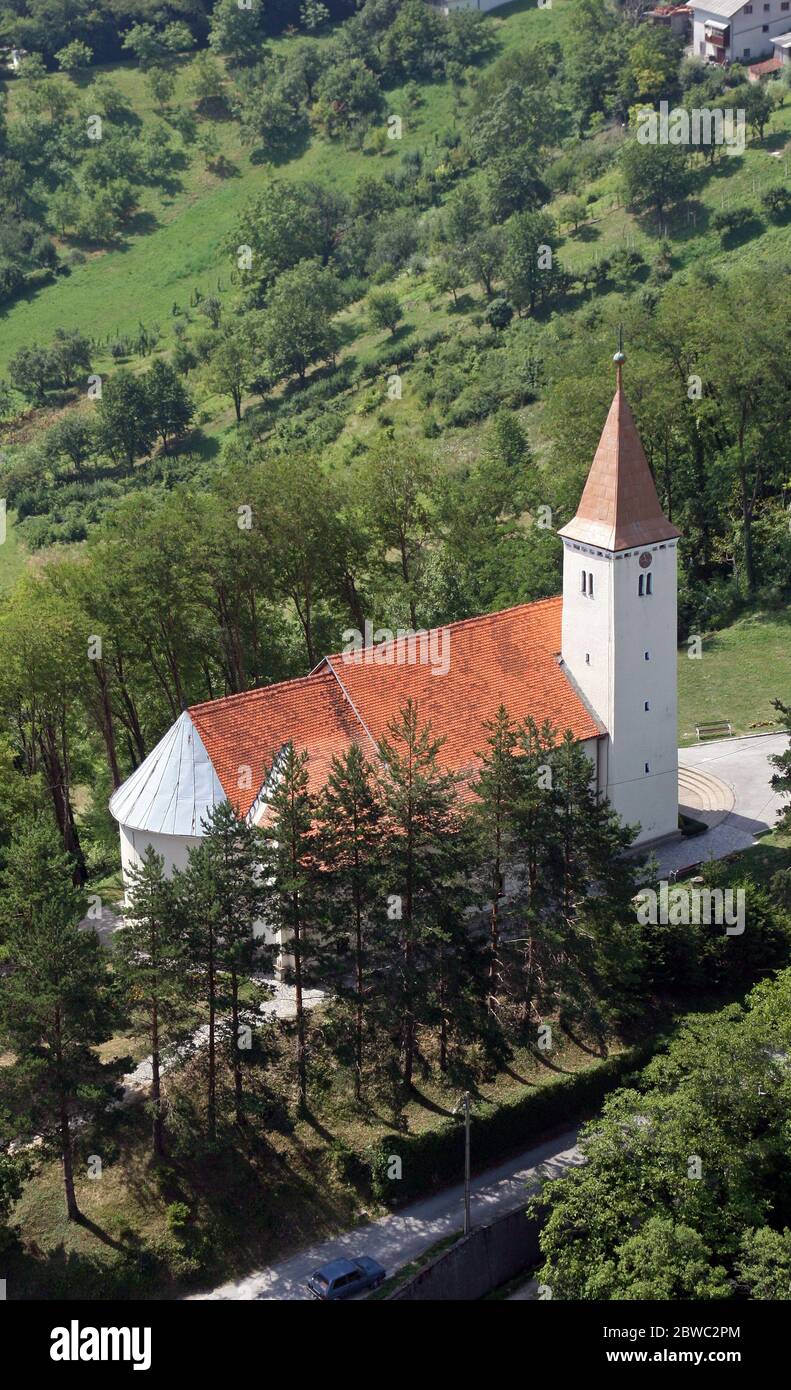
448, 6
731, 31
599, 660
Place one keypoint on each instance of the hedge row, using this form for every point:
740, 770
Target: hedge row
436, 1157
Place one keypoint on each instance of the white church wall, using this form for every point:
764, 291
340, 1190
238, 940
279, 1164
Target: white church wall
174, 849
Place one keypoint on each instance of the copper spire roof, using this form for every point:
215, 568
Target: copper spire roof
619, 507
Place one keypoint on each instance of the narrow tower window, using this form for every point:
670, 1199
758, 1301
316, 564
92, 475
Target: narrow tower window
647, 704
584, 582
647, 656
641, 585
649, 583
647, 768
590, 584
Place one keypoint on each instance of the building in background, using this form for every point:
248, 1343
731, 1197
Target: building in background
732, 31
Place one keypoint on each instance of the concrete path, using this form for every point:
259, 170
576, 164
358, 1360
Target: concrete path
398, 1238
279, 1003
742, 764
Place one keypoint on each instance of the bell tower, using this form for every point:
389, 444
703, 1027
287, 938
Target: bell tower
619, 629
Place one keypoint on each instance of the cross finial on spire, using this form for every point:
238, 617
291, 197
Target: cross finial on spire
620, 356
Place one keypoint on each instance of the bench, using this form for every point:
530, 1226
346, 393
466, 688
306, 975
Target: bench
718, 729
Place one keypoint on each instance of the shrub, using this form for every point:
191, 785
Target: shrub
437, 1156
177, 1216
731, 221
777, 204
499, 313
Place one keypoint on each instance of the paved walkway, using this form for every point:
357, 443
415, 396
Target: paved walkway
398, 1238
279, 1003
742, 765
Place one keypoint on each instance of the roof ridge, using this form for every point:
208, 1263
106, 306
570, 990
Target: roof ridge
319, 672
259, 690
460, 622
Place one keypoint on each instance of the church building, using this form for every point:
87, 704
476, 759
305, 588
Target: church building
599, 660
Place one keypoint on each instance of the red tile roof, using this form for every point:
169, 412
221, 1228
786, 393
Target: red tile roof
762, 69
619, 507
508, 658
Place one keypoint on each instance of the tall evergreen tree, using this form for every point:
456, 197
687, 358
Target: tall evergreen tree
55, 1000
234, 850
530, 969
150, 959
199, 913
290, 875
493, 817
419, 804
596, 954
349, 845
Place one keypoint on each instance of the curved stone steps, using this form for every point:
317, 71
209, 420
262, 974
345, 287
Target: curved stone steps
704, 796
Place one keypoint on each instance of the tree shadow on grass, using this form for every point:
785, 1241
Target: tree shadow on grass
586, 232
427, 1103
277, 158
741, 235
132, 1245
223, 168
515, 1076
141, 223
463, 305
593, 1050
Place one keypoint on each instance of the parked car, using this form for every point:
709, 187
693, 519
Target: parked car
344, 1278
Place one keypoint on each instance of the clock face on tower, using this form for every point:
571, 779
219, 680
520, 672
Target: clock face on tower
645, 560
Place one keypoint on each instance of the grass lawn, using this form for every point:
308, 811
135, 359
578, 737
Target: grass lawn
742, 669
764, 859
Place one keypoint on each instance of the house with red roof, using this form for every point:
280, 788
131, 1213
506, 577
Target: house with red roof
598, 660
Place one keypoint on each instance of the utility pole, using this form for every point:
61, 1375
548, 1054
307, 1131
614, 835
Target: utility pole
464, 1106
466, 1103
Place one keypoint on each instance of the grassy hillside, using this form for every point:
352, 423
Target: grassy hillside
176, 246
174, 242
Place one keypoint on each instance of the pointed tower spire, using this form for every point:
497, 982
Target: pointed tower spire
619, 507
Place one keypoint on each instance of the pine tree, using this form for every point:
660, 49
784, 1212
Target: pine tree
290, 875
349, 828
199, 912
55, 1001
531, 872
493, 820
598, 950
419, 805
150, 962
234, 851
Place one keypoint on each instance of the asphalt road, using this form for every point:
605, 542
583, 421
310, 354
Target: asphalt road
398, 1238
